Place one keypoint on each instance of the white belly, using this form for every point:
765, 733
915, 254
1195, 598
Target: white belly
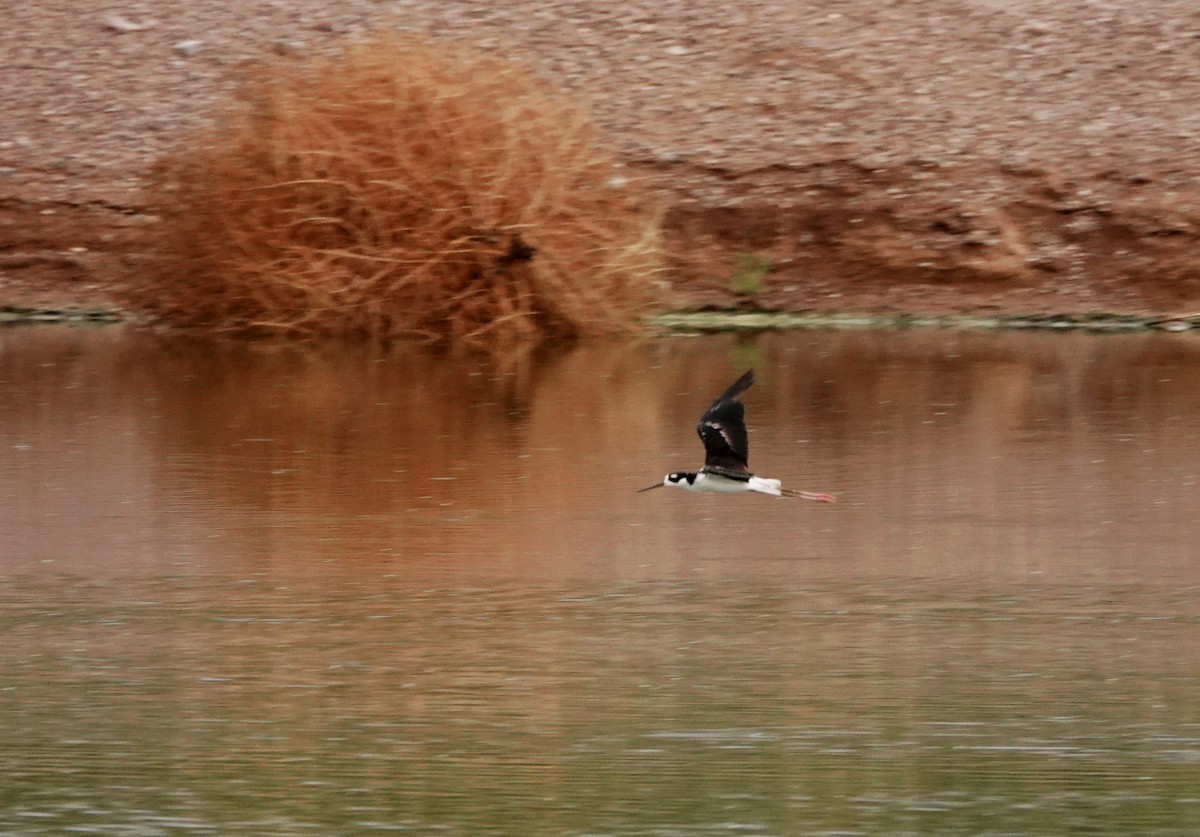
717, 483
724, 485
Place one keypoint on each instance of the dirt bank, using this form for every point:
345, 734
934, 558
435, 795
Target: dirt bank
922, 156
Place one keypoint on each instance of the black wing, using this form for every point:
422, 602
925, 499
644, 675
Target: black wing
722, 428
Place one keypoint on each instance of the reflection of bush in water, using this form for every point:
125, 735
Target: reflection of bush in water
371, 430
404, 188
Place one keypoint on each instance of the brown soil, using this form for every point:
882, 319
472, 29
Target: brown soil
1026, 156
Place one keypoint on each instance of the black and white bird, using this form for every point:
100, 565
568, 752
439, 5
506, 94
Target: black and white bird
722, 428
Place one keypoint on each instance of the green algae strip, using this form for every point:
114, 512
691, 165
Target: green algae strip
32, 315
699, 322
704, 322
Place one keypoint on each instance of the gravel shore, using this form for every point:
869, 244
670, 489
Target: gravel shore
926, 155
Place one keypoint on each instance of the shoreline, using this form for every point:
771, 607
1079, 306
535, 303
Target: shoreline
736, 321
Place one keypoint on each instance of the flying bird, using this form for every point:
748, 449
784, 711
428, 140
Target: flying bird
722, 428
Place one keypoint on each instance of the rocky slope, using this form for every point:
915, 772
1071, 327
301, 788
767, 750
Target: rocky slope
925, 155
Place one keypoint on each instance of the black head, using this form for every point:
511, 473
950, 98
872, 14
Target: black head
679, 478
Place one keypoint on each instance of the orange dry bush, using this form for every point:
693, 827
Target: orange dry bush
406, 187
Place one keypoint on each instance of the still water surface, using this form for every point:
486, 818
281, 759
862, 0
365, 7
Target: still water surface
266, 590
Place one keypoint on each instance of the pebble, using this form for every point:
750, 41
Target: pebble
187, 48
288, 48
123, 24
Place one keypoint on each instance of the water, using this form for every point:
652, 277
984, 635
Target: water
268, 590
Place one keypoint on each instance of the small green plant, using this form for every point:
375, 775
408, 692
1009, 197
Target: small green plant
748, 273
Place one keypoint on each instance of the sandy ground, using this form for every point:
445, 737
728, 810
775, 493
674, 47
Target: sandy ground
913, 155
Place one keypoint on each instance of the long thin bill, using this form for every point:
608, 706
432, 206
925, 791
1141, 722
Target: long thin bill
816, 496
647, 488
